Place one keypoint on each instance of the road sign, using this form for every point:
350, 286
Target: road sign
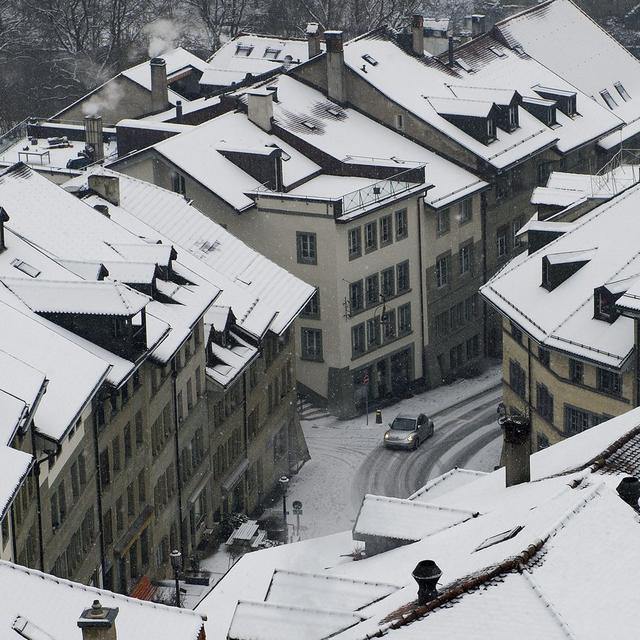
365, 378
297, 507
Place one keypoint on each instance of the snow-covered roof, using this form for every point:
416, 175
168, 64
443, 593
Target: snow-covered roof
351, 137
563, 318
265, 621
14, 466
546, 557
436, 24
21, 380
262, 295
399, 519
429, 82
232, 359
253, 54
55, 605
446, 482
566, 40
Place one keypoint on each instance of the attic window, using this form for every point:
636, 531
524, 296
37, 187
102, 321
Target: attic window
309, 125
498, 52
622, 91
558, 267
271, 52
399, 122
500, 537
370, 59
334, 112
244, 50
25, 267
464, 65
604, 305
608, 98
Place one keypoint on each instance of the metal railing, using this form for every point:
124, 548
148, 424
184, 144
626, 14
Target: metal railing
381, 190
621, 172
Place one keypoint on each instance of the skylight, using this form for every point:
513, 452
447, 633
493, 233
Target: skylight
608, 98
499, 537
271, 52
334, 112
309, 125
464, 65
25, 267
370, 59
622, 91
243, 50
499, 52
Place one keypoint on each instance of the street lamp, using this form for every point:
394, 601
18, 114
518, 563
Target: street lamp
284, 482
176, 564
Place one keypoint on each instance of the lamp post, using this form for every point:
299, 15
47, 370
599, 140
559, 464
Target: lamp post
176, 563
284, 482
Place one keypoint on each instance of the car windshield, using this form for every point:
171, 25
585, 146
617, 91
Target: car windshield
404, 424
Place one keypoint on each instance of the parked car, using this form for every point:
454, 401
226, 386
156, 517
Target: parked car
408, 431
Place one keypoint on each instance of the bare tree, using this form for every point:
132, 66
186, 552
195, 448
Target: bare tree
221, 18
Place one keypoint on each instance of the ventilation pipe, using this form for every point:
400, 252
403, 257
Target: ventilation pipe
93, 137
517, 449
417, 34
159, 89
98, 622
426, 574
629, 490
336, 72
178, 111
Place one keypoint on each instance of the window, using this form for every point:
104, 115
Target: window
516, 225
576, 420
513, 117
243, 50
399, 118
516, 333
306, 247
311, 344
442, 324
131, 500
544, 171
355, 243
604, 306
139, 431
178, 184
105, 474
402, 270
576, 371
402, 229
389, 325
370, 237
491, 130
442, 221
23, 266
622, 91
544, 356
456, 314
517, 378
356, 296
466, 210
456, 357
386, 230
128, 449
466, 259
142, 488
473, 347
442, 271
502, 241
119, 515
544, 402
115, 448
108, 527
608, 99
388, 283
471, 307
609, 382
312, 308
271, 53
82, 469
75, 481
543, 441
404, 319
373, 332
357, 340
372, 290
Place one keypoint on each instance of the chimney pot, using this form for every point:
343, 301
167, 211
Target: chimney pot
179, 111
159, 88
517, 439
417, 34
629, 490
426, 574
93, 136
98, 622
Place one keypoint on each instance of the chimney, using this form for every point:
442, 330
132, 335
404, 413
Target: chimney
629, 491
336, 72
260, 108
4, 217
451, 51
159, 89
517, 449
178, 111
417, 33
314, 34
475, 25
426, 574
106, 186
93, 136
98, 622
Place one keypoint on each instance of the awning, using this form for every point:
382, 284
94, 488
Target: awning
235, 477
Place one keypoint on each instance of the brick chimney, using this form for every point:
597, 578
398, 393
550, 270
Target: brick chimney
517, 449
336, 71
417, 34
314, 35
475, 25
98, 622
260, 108
4, 217
106, 186
451, 45
93, 136
159, 89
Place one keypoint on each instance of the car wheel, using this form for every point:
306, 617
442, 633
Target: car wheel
416, 443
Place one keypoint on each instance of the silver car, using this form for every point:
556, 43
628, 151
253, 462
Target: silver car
408, 430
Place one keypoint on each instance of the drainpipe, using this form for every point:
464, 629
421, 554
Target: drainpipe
36, 473
423, 355
529, 405
174, 378
245, 418
483, 234
14, 546
96, 454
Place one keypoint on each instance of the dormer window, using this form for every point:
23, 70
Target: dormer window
513, 117
491, 129
565, 100
544, 110
558, 267
622, 91
243, 50
604, 305
608, 99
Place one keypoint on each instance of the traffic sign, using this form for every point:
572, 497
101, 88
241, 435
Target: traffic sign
365, 378
297, 507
